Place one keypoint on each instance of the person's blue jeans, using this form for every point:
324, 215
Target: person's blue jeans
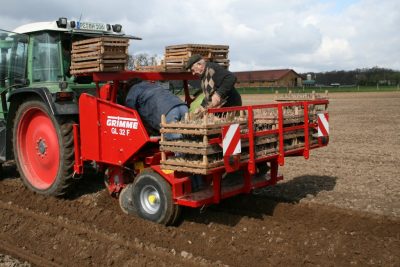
177, 113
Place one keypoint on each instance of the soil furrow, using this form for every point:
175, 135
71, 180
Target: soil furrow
60, 224
7, 247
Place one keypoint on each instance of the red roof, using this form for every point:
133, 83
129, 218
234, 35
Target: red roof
262, 75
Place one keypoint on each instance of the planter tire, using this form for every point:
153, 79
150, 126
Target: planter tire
153, 199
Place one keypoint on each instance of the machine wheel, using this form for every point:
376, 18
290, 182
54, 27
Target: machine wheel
43, 149
153, 199
262, 168
126, 200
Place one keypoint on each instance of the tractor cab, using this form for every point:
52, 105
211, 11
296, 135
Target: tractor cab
50, 45
35, 62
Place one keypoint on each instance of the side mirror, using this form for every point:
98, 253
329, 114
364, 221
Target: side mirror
63, 85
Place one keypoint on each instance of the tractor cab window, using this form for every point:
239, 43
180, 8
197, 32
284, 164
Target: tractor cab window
46, 61
66, 56
13, 58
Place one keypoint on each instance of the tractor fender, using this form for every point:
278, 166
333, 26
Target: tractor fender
56, 108
18, 96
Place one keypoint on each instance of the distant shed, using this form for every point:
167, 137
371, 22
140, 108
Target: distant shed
268, 78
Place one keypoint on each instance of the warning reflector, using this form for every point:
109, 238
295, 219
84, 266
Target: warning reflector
231, 144
323, 124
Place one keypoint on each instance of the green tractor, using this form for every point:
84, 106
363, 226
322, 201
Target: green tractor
39, 99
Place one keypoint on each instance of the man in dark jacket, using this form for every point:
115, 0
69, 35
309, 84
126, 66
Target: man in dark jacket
217, 83
151, 100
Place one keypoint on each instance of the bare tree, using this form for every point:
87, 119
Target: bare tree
141, 59
131, 62
153, 60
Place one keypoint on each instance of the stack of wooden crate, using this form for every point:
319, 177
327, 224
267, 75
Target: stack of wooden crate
176, 56
195, 154
99, 54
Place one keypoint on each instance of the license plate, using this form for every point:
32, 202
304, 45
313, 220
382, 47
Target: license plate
92, 26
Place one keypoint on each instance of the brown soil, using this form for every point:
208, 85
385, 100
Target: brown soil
312, 218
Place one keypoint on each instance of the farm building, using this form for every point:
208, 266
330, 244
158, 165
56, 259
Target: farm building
268, 78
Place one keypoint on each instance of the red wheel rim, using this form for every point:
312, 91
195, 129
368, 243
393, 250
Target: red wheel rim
38, 148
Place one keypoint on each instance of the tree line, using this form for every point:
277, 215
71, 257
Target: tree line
142, 59
365, 76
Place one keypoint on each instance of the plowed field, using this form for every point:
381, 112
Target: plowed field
341, 207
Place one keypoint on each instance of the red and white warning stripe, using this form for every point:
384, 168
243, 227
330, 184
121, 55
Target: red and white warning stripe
231, 144
323, 124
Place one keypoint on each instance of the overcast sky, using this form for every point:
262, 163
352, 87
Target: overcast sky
304, 35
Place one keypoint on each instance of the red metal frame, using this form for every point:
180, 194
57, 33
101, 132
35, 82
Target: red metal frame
151, 76
249, 167
117, 77
78, 166
93, 141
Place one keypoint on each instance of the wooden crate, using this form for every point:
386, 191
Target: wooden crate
290, 96
195, 154
99, 54
176, 56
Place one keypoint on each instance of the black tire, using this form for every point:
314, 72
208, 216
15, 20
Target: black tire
262, 168
153, 199
126, 200
176, 216
44, 156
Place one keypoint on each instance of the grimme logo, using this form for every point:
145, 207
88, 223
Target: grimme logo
121, 125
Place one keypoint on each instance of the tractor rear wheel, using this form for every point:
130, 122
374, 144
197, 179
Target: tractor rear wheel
43, 148
153, 199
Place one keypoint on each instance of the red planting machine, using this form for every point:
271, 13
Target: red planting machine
152, 176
